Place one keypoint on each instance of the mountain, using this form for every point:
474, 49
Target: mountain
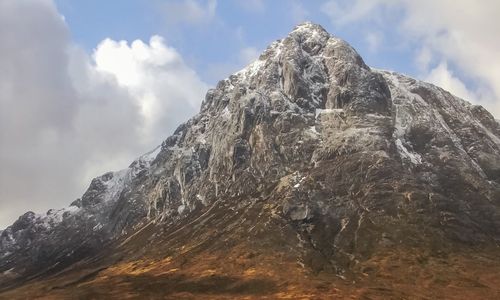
307, 174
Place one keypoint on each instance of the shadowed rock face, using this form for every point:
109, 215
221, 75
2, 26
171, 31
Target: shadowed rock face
306, 152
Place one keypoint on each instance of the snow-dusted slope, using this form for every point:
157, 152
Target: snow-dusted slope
431, 124
87, 222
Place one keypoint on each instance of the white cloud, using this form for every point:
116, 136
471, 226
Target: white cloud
443, 77
66, 116
423, 59
461, 32
162, 85
190, 11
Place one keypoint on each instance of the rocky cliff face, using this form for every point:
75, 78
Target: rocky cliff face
308, 152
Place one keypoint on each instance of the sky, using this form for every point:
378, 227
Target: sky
88, 86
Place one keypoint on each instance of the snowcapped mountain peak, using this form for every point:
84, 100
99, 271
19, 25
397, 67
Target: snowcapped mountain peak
308, 149
310, 32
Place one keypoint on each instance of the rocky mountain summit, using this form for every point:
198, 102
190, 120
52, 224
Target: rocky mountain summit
306, 174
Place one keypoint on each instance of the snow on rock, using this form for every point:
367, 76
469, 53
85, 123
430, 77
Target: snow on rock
337, 111
427, 118
115, 182
251, 70
414, 158
313, 130
150, 156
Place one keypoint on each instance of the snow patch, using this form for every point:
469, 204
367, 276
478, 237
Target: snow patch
226, 113
414, 158
313, 130
320, 111
54, 216
299, 181
251, 70
151, 155
115, 185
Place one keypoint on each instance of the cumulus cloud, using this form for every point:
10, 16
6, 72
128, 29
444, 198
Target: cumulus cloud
460, 33
67, 116
442, 76
164, 88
